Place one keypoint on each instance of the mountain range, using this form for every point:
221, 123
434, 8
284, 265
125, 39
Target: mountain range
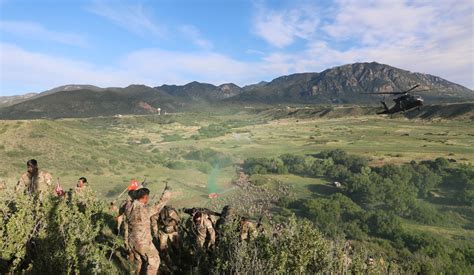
339, 85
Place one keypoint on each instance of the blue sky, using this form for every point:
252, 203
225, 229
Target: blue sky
44, 44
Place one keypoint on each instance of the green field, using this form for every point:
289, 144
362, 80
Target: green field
111, 151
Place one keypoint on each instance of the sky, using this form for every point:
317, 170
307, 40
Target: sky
48, 43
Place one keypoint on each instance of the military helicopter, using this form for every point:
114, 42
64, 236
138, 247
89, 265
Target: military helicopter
402, 103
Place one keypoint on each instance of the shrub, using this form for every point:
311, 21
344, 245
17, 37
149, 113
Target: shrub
145, 140
176, 165
56, 236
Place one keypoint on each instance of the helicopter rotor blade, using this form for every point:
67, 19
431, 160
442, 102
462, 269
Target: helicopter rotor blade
412, 88
387, 93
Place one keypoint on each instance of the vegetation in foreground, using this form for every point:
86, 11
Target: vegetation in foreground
356, 227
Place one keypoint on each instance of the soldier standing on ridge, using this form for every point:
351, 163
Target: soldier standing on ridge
35, 182
138, 218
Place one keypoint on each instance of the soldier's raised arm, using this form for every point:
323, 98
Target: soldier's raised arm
165, 197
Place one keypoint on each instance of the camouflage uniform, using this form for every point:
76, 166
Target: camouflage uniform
83, 193
248, 229
165, 227
40, 184
121, 219
204, 230
138, 217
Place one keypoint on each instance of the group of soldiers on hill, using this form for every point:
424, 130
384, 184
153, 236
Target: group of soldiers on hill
151, 230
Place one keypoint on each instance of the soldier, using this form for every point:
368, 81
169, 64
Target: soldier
227, 216
203, 230
138, 218
81, 185
165, 229
123, 208
35, 182
248, 229
82, 189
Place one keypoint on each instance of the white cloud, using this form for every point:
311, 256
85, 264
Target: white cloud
433, 37
22, 69
372, 21
422, 36
137, 19
192, 33
35, 31
281, 27
32, 71
133, 18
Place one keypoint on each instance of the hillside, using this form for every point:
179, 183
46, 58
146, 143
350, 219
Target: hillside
345, 84
463, 111
340, 85
11, 100
89, 103
196, 91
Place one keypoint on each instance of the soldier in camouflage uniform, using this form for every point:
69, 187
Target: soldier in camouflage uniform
227, 216
165, 229
82, 189
248, 229
121, 211
138, 218
81, 186
35, 182
205, 235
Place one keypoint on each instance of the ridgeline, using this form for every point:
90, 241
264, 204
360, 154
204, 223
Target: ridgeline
340, 85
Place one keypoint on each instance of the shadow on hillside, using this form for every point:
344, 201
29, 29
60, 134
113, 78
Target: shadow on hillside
319, 190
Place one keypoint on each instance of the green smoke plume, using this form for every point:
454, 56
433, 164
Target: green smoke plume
212, 180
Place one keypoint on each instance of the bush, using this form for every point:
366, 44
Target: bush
264, 166
176, 165
298, 249
56, 236
145, 140
213, 130
210, 156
